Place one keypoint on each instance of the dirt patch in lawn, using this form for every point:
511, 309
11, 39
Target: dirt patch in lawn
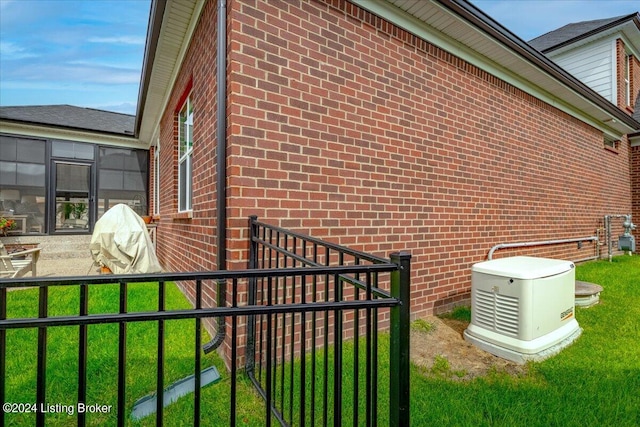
443, 352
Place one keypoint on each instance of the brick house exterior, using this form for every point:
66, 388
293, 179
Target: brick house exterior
351, 129
605, 55
347, 126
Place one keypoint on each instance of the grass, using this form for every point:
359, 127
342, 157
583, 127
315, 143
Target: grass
593, 382
422, 325
462, 313
596, 381
62, 360
352, 390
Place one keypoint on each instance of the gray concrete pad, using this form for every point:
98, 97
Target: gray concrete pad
66, 267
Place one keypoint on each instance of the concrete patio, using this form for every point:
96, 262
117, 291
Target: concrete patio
60, 255
67, 267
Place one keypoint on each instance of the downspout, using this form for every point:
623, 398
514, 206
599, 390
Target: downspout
221, 157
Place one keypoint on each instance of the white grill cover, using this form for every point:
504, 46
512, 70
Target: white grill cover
121, 242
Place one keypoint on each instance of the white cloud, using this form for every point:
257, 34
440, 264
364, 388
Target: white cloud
75, 52
55, 75
11, 51
118, 40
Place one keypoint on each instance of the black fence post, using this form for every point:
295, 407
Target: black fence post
252, 295
253, 245
399, 357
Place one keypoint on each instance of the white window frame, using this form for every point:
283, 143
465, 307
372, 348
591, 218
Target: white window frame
611, 143
185, 160
627, 78
156, 176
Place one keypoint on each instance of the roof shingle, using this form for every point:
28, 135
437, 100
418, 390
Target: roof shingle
69, 116
573, 31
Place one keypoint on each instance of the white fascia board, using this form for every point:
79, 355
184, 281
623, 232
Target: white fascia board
415, 26
69, 135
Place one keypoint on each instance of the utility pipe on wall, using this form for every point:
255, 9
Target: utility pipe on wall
545, 242
627, 224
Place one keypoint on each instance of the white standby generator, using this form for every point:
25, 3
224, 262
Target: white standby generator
522, 308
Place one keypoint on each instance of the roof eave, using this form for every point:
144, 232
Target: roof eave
620, 121
493, 28
153, 34
67, 127
44, 131
490, 46
170, 32
634, 17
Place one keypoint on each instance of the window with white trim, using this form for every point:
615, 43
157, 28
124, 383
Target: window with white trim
611, 143
627, 79
156, 178
185, 152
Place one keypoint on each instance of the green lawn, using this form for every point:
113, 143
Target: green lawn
62, 360
594, 382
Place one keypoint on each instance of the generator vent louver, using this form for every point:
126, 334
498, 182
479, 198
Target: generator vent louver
497, 312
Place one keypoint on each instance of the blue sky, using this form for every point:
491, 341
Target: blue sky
89, 53
531, 18
85, 53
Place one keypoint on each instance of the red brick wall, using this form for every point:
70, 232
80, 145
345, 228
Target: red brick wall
187, 242
635, 153
635, 80
384, 142
635, 189
347, 128
634, 76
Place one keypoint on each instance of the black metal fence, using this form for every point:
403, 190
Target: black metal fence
296, 358
305, 298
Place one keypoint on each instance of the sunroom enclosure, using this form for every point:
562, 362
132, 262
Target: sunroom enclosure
52, 186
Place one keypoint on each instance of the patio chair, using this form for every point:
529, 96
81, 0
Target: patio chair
17, 264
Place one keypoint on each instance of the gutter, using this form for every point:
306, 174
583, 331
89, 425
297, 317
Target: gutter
491, 27
221, 166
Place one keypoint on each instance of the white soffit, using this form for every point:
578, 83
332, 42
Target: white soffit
178, 24
433, 22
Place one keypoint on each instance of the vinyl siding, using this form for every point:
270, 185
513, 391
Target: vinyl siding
593, 64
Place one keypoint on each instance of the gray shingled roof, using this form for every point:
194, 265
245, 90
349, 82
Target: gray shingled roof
68, 116
572, 32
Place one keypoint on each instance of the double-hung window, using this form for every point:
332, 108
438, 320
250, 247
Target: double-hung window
185, 154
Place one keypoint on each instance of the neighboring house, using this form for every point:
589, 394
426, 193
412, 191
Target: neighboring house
62, 167
382, 125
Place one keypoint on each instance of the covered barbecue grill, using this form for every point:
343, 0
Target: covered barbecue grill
120, 242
